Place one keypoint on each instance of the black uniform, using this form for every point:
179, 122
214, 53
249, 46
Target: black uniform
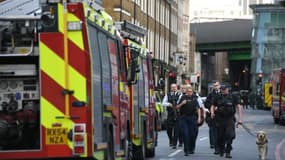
189, 124
225, 121
213, 135
172, 127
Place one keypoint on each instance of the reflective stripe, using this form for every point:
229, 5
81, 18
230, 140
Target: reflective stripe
99, 155
74, 36
48, 117
52, 64
78, 84
56, 72
157, 107
102, 16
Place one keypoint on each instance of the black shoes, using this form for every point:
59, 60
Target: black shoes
221, 154
212, 146
180, 145
216, 152
189, 152
228, 155
173, 147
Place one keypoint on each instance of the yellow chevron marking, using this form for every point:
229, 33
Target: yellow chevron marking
48, 116
74, 36
52, 64
56, 72
77, 82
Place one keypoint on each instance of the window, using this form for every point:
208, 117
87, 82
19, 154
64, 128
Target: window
277, 89
157, 7
106, 70
152, 5
162, 13
167, 17
112, 47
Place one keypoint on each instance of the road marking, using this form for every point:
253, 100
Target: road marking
174, 153
278, 148
275, 127
203, 138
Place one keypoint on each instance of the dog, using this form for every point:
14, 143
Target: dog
262, 141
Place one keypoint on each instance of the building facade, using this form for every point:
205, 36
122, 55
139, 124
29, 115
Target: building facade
268, 41
160, 18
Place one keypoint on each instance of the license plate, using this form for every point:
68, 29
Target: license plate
56, 135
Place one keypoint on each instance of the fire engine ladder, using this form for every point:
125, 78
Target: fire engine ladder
19, 9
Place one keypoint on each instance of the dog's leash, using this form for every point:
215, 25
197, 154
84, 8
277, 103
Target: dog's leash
245, 128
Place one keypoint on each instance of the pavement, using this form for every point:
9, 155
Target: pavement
244, 146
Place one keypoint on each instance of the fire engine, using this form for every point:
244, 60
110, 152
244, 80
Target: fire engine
278, 95
72, 85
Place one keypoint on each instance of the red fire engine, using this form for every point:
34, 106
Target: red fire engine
278, 94
72, 85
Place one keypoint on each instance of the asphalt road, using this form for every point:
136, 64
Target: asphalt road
244, 146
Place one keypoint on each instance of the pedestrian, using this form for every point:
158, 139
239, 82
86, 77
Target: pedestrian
245, 100
169, 102
251, 98
213, 135
190, 117
223, 109
180, 129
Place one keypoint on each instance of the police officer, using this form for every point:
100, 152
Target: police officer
211, 122
190, 117
223, 109
170, 101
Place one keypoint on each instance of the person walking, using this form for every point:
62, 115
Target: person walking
170, 101
180, 129
190, 117
223, 109
213, 135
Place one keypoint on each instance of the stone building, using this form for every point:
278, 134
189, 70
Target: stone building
162, 20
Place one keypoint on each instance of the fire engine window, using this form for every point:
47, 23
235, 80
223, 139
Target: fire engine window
146, 81
122, 60
278, 89
141, 87
106, 69
113, 58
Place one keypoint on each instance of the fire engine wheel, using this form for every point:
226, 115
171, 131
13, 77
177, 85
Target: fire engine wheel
128, 144
129, 149
150, 152
140, 151
110, 139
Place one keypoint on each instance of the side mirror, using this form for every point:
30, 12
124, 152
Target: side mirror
133, 68
161, 83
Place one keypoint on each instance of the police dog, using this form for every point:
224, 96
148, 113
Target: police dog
261, 141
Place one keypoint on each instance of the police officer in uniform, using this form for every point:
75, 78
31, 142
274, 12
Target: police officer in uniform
223, 109
211, 122
170, 101
190, 117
